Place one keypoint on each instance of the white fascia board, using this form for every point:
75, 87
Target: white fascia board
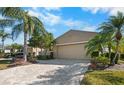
73, 43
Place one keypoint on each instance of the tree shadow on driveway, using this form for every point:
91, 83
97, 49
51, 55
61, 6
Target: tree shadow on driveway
62, 61
67, 75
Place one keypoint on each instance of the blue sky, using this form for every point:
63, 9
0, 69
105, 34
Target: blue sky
58, 20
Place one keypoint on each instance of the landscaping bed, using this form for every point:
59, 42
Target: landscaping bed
4, 64
103, 77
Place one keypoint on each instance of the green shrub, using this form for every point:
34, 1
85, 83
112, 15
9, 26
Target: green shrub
95, 54
106, 55
44, 57
32, 59
103, 60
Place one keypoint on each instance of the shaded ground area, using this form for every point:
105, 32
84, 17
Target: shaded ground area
50, 72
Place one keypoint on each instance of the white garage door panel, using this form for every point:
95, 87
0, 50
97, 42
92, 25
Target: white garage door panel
76, 51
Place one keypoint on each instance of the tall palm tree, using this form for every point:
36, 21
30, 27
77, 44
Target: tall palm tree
118, 24
115, 26
26, 24
4, 36
106, 30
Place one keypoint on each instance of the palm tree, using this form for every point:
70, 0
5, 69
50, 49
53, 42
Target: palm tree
4, 36
106, 30
26, 24
118, 24
45, 41
95, 44
115, 26
6, 23
48, 42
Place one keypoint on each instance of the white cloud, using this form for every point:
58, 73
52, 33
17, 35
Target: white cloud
52, 8
33, 13
109, 10
50, 18
34, 8
89, 28
72, 23
113, 11
47, 17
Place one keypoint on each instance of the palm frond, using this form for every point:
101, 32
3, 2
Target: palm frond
17, 29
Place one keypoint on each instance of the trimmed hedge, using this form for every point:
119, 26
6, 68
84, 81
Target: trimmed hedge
44, 57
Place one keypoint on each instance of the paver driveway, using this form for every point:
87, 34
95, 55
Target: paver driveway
49, 72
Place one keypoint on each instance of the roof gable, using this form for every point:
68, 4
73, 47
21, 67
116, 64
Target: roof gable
75, 36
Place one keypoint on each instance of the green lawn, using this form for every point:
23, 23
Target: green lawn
104, 78
4, 64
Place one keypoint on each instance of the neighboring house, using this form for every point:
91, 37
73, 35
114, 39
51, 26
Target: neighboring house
7, 50
34, 51
71, 45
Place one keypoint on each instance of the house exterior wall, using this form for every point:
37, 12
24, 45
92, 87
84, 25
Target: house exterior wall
71, 45
74, 51
7, 51
75, 36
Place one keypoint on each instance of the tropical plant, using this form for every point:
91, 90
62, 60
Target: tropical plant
15, 47
45, 41
95, 44
48, 42
36, 40
26, 23
115, 26
4, 36
107, 36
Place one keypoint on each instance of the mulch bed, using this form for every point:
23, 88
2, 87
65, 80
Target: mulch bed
19, 62
116, 67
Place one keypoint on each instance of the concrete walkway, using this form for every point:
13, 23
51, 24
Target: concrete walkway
49, 72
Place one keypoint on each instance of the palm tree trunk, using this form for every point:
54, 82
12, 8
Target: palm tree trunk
101, 49
116, 53
25, 47
3, 45
45, 52
109, 49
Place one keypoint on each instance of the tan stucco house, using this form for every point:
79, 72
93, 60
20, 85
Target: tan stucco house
71, 44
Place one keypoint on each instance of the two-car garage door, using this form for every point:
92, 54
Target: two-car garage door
72, 51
